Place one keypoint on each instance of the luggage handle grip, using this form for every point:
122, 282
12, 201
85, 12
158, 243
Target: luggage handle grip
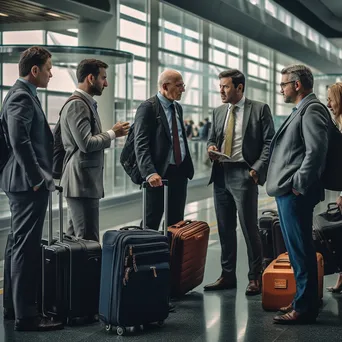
270, 211
181, 224
144, 186
282, 266
131, 228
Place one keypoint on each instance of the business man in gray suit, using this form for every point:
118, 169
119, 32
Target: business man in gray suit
84, 143
297, 158
26, 180
242, 129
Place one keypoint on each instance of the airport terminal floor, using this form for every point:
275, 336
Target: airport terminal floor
225, 316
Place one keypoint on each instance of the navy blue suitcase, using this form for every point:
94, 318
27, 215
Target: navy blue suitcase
135, 275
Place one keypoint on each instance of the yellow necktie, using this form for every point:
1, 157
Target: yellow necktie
229, 133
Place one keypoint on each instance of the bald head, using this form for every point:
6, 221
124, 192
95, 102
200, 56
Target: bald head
171, 84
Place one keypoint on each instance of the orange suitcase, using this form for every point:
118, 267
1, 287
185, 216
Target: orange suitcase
279, 285
189, 244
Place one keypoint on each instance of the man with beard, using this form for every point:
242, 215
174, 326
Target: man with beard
297, 158
84, 143
242, 129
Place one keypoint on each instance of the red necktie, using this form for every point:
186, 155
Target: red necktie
176, 145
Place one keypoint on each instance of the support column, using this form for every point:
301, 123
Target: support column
205, 80
154, 43
103, 35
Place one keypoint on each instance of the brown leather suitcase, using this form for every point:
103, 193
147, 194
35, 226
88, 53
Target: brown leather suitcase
189, 244
279, 285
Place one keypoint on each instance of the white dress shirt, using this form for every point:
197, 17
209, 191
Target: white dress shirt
237, 139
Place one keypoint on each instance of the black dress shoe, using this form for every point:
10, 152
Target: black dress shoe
221, 284
37, 324
9, 314
172, 307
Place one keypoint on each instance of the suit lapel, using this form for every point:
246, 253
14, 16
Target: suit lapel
308, 99
246, 114
221, 119
163, 118
21, 85
94, 113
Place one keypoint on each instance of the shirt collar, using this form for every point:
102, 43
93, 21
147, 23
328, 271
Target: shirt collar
301, 101
88, 97
32, 87
240, 104
166, 102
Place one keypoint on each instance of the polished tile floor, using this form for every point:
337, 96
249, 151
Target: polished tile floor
225, 316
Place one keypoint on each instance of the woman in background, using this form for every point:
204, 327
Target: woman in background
334, 103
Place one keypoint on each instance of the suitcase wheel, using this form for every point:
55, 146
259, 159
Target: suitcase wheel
160, 323
120, 331
108, 327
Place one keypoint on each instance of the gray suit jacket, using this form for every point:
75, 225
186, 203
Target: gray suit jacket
83, 173
31, 142
257, 133
295, 163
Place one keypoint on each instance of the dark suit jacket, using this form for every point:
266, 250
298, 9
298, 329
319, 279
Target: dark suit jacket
83, 174
298, 151
153, 142
257, 133
30, 139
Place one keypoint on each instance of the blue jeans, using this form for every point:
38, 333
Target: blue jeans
295, 214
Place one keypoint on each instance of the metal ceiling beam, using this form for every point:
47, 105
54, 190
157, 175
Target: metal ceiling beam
76, 8
40, 25
323, 12
263, 28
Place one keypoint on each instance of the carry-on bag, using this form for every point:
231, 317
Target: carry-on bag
70, 275
327, 230
279, 285
189, 244
135, 277
271, 236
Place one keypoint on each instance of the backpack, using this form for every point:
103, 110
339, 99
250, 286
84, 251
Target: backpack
58, 147
128, 158
331, 177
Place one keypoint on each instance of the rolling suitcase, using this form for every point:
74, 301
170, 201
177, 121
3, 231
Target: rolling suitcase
189, 244
135, 278
327, 232
279, 285
70, 275
271, 236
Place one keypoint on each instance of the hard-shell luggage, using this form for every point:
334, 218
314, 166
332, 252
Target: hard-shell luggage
70, 275
135, 277
279, 285
271, 236
328, 237
189, 244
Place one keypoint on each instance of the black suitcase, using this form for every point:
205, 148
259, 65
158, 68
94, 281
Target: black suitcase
327, 232
71, 271
135, 278
271, 236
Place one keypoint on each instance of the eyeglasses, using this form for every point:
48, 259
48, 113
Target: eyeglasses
283, 84
182, 85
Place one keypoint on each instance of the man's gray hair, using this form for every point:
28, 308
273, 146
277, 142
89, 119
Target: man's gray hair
299, 72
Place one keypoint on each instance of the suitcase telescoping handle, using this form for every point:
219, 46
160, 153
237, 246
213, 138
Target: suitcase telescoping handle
145, 185
60, 209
